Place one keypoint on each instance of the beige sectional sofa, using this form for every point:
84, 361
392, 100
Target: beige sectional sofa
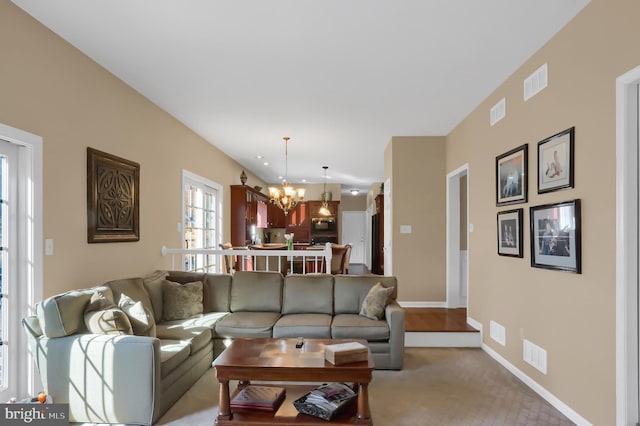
115, 376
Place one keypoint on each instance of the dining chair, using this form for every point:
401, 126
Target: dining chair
275, 263
229, 262
347, 259
337, 258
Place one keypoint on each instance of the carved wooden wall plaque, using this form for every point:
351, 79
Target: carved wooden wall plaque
113, 198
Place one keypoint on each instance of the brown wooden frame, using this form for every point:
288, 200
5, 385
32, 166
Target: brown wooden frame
113, 198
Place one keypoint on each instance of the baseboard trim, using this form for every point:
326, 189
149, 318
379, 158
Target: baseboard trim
423, 304
537, 388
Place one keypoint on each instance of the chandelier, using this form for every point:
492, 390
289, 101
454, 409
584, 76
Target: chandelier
286, 198
324, 210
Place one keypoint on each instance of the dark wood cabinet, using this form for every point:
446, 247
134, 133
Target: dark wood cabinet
314, 208
298, 223
248, 207
275, 217
377, 237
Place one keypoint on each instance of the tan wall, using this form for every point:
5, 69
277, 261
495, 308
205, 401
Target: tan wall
571, 316
418, 196
51, 89
353, 203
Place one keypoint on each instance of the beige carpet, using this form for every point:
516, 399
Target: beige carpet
438, 386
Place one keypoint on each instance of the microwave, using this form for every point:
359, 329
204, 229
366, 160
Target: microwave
324, 225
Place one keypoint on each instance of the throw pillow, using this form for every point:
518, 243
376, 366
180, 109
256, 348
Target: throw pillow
140, 316
101, 316
377, 299
181, 300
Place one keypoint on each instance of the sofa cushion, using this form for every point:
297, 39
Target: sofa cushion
354, 326
312, 294
184, 277
303, 325
351, 290
101, 316
247, 324
205, 320
256, 291
197, 337
132, 287
63, 314
153, 284
181, 300
216, 292
172, 354
377, 299
140, 316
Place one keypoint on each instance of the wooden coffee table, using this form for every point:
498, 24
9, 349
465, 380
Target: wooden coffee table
279, 360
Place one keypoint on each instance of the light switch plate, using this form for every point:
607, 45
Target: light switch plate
405, 229
48, 247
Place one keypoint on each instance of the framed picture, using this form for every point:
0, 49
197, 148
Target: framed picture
113, 198
555, 162
555, 236
510, 233
511, 176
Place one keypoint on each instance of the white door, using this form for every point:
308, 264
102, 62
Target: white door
353, 232
10, 295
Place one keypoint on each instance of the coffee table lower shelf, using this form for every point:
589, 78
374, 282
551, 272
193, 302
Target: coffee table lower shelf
287, 414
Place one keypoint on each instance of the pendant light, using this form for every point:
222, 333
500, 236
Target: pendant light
324, 210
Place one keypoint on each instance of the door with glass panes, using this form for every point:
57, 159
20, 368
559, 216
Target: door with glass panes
10, 295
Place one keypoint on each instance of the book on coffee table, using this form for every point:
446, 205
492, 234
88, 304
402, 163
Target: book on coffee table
343, 353
326, 401
258, 397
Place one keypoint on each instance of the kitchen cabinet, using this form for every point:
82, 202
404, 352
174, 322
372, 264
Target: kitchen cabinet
377, 237
298, 223
314, 208
249, 208
275, 217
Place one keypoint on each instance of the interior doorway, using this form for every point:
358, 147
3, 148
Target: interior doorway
353, 232
457, 237
627, 252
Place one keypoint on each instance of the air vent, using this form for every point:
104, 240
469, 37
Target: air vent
535, 355
536, 82
498, 111
497, 333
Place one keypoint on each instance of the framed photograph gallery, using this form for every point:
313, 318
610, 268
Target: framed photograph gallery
555, 162
510, 233
556, 236
511, 176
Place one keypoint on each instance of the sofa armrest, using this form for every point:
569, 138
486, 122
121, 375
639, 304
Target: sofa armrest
394, 313
103, 378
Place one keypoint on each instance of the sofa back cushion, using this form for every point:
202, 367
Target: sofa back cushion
309, 294
256, 291
153, 284
217, 291
63, 314
132, 287
351, 290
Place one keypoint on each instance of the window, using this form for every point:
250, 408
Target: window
202, 222
20, 256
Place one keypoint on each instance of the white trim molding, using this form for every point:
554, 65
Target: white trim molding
30, 267
453, 275
423, 304
627, 248
537, 388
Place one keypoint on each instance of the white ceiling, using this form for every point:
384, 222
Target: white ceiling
340, 77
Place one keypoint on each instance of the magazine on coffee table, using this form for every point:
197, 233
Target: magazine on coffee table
257, 397
326, 401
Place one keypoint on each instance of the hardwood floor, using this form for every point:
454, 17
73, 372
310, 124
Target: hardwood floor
436, 320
